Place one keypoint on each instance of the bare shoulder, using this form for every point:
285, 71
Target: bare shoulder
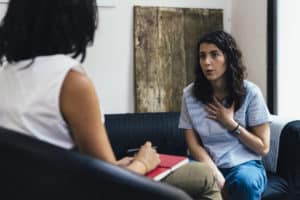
76, 83
77, 96
80, 109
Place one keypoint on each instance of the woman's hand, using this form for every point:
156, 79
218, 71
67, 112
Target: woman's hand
220, 113
124, 162
148, 156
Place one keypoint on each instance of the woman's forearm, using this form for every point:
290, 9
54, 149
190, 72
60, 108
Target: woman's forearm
257, 140
137, 167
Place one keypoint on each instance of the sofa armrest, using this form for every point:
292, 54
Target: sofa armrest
33, 169
276, 126
288, 157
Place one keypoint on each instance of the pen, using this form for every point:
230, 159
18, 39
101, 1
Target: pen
137, 149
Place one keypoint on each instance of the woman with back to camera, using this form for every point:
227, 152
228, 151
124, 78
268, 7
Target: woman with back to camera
225, 118
46, 94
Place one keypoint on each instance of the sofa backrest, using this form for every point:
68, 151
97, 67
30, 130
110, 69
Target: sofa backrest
32, 169
131, 130
288, 159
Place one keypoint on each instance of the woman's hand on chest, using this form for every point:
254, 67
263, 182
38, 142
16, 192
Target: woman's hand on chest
221, 114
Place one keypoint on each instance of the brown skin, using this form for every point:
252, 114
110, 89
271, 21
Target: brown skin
80, 108
213, 65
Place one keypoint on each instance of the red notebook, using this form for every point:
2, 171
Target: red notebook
168, 163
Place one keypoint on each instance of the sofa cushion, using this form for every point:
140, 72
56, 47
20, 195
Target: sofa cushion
277, 188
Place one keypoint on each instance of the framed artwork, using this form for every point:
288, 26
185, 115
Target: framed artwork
165, 53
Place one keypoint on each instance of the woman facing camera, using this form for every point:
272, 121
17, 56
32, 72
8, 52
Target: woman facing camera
46, 94
225, 118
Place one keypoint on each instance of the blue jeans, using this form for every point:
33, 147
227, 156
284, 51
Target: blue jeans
246, 181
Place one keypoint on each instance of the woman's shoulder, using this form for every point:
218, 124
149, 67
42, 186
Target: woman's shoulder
251, 88
188, 95
252, 91
188, 89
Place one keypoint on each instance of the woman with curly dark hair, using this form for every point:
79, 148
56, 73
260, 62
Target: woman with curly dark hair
225, 118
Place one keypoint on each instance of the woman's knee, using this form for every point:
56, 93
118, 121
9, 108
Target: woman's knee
202, 174
196, 179
248, 185
200, 169
245, 186
193, 174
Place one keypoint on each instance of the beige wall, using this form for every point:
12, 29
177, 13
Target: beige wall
249, 27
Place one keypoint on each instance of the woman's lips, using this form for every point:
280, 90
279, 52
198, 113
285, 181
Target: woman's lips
209, 72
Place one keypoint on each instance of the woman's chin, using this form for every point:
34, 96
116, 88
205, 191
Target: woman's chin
210, 78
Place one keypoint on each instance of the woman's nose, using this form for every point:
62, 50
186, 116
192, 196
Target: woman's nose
207, 60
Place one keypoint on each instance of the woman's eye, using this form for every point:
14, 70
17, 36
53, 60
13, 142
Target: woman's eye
202, 57
214, 54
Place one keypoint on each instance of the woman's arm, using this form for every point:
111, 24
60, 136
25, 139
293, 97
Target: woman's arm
80, 108
257, 138
200, 154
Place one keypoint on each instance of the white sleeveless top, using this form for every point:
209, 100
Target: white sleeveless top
29, 98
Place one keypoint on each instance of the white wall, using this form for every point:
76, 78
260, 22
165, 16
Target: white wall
2, 9
249, 27
110, 61
288, 30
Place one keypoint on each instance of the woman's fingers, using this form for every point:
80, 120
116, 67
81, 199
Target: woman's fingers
148, 144
212, 106
217, 102
210, 110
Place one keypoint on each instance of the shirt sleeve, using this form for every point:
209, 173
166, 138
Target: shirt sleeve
184, 119
257, 112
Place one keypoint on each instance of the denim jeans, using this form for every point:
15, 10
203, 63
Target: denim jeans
246, 181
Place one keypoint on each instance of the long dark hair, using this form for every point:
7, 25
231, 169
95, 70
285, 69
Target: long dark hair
34, 28
235, 72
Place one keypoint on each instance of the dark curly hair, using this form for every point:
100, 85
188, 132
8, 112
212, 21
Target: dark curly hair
34, 28
235, 73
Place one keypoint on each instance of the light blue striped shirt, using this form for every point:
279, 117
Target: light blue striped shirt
225, 149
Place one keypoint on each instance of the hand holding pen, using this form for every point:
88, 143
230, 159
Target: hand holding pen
135, 150
148, 156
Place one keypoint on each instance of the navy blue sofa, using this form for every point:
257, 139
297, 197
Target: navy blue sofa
132, 130
35, 170
32, 169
